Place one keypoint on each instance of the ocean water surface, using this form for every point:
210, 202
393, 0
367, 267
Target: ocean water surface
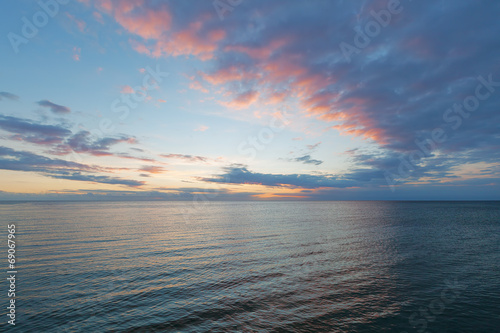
255, 266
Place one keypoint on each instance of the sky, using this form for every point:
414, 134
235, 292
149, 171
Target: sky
250, 100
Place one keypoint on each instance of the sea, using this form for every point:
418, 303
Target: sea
260, 266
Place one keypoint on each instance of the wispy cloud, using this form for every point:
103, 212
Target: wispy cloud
127, 90
306, 159
314, 146
61, 141
76, 53
7, 95
189, 158
201, 128
242, 100
98, 179
55, 108
11, 159
81, 25
152, 169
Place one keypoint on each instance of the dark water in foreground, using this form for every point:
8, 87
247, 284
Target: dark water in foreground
255, 267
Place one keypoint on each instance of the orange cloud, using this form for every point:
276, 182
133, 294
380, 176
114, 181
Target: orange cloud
262, 52
152, 169
242, 101
276, 98
228, 74
201, 128
127, 90
154, 27
135, 17
196, 85
190, 41
139, 47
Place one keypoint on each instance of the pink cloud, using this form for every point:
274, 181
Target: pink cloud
188, 158
201, 128
152, 169
189, 41
355, 120
228, 74
98, 17
261, 52
243, 100
139, 47
76, 53
135, 17
154, 27
127, 90
196, 85
79, 23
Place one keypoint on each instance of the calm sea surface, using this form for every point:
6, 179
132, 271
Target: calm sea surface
255, 266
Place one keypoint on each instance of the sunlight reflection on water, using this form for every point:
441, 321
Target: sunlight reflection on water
255, 266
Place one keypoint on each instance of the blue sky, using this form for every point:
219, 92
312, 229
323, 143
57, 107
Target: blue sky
250, 100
